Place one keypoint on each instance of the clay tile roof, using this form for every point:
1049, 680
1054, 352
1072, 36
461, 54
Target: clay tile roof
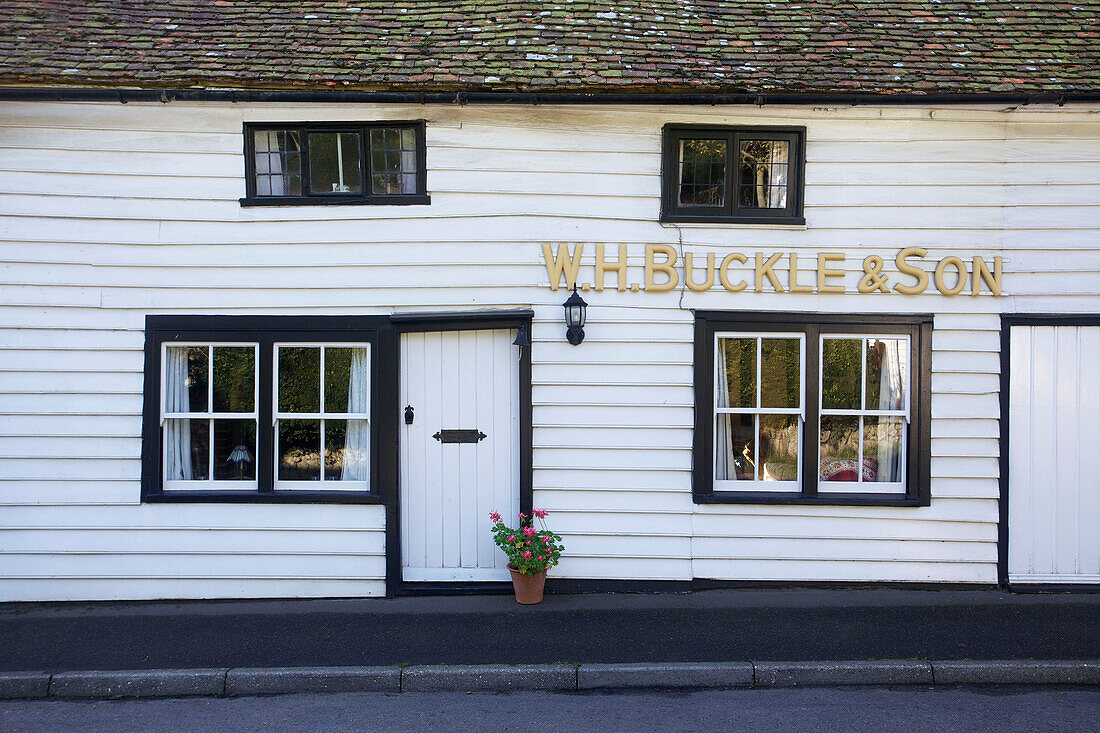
672, 46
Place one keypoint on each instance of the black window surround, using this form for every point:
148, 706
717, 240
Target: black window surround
363, 197
731, 212
266, 331
917, 470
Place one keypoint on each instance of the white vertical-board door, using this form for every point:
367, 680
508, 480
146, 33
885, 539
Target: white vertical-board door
1054, 455
468, 381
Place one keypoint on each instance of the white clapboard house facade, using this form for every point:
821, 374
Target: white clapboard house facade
274, 334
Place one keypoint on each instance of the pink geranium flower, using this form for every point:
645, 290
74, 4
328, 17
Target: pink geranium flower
529, 531
512, 538
540, 513
494, 516
527, 553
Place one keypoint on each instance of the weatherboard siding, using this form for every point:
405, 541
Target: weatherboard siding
111, 212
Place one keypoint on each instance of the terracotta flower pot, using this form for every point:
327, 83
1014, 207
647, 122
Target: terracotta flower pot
528, 587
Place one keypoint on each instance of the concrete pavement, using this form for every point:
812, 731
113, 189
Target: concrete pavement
705, 626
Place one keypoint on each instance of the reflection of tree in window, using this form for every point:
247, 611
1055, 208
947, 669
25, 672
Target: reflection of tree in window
314, 434
702, 173
763, 174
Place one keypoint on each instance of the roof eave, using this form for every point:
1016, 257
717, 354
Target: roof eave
124, 95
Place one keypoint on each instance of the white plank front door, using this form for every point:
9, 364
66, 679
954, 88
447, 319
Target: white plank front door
459, 385
1053, 459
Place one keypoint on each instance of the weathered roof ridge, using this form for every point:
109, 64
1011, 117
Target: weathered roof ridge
901, 47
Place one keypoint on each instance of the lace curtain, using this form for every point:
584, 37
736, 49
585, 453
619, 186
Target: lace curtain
891, 397
176, 399
357, 443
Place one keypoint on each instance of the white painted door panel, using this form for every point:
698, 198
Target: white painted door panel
457, 380
1054, 455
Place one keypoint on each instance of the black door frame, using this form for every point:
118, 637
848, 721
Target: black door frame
419, 322
1007, 322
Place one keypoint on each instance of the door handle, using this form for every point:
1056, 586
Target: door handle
408, 415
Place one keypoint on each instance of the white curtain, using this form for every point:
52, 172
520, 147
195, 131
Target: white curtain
891, 396
724, 467
176, 399
777, 174
777, 192
357, 441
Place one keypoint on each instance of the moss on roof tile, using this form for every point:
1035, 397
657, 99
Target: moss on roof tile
751, 46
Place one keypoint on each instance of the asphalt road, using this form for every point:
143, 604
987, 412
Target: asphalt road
705, 626
836, 709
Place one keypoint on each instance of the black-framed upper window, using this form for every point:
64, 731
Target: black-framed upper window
260, 409
335, 163
733, 174
827, 409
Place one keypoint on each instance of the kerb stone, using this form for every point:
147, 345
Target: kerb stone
139, 683
276, 680
15, 685
1018, 672
488, 677
802, 674
686, 674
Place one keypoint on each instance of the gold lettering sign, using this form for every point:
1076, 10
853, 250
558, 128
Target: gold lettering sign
662, 270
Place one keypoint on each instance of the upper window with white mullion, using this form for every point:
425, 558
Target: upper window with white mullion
865, 414
209, 415
322, 416
759, 410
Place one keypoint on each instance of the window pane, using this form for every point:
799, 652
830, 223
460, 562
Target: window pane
736, 372
882, 441
736, 444
887, 374
337, 373
299, 379
780, 373
197, 375
702, 168
839, 448
763, 167
234, 378
841, 374
235, 450
347, 380
393, 161
779, 447
347, 450
187, 447
278, 163
299, 450
762, 197
185, 379
335, 443
334, 162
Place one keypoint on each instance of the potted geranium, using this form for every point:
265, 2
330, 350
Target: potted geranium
531, 552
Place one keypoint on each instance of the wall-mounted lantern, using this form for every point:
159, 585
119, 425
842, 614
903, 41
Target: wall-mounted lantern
575, 309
